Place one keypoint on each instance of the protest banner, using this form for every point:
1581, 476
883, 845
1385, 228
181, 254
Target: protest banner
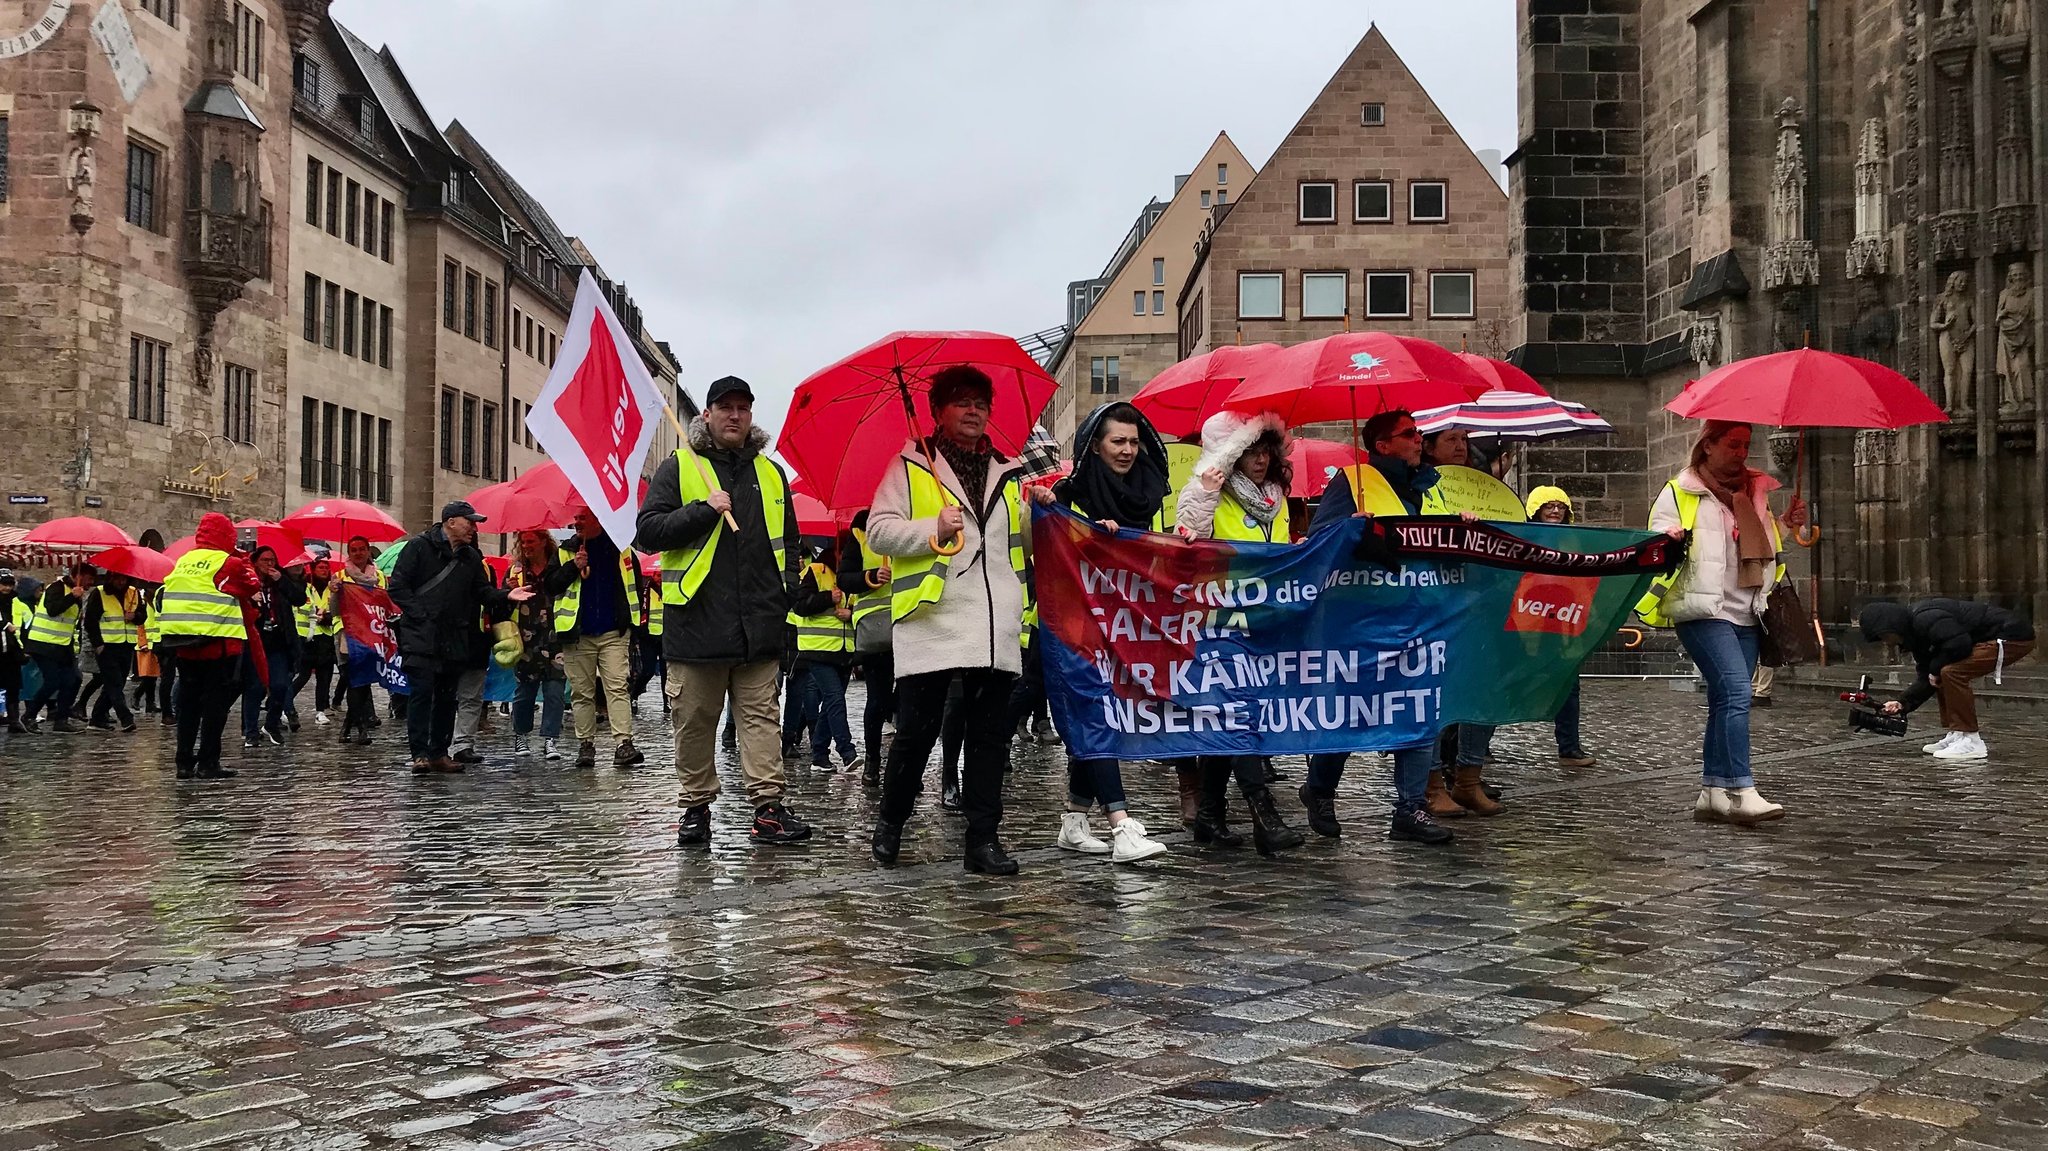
595, 416
368, 619
1159, 649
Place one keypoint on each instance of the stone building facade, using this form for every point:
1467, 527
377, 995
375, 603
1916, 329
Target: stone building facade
1701, 182
145, 170
1371, 214
241, 269
1122, 325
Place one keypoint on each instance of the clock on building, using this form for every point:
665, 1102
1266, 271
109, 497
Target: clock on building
37, 34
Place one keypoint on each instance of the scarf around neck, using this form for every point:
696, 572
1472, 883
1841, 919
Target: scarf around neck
1131, 499
1736, 492
970, 466
1255, 502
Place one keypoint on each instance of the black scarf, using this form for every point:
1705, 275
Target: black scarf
970, 467
1131, 499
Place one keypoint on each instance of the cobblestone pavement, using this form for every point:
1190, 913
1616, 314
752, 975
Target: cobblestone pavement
329, 953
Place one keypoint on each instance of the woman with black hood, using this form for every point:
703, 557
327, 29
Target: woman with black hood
1119, 481
1953, 642
265, 697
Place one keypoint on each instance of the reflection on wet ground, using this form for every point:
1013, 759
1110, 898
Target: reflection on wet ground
331, 953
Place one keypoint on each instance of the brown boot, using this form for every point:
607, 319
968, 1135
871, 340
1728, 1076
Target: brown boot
1190, 793
1470, 795
1438, 798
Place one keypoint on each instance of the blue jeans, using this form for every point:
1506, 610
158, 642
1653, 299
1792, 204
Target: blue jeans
1567, 724
1093, 781
1475, 740
550, 691
1726, 657
1411, 773
263, 703
828, 689
59, 668
799, 706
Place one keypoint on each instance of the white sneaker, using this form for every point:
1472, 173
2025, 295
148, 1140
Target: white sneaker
1968, 747
888, 727
1074, 835
521, 745
1712, 805
552, 749
319, 719
1746, 806
1947, 737
1131, 843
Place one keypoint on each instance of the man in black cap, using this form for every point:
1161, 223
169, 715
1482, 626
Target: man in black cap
725, 596
441, 587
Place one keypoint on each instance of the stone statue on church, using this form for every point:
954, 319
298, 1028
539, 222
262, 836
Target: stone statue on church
2016, 339
83, 172
1876, 328
2011, 18
1954, 323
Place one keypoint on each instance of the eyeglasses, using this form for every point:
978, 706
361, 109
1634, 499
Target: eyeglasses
975, 402
1408, 433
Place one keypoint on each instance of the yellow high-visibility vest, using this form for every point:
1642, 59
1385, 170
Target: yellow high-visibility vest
570, 602
683, 569
114, 625
193, 605
1233, 522
60, 630
919, 580
1651, 606
824, 633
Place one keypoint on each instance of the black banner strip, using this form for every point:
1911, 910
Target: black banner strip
1389, 541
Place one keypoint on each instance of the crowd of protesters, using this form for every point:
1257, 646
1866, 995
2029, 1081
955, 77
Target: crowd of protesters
927, 597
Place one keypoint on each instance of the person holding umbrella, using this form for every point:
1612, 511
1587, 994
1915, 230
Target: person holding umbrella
206, 604
1715, 601
950, 516
266, 696
719, 514
51, 639
357, 570
319, 622
111, 618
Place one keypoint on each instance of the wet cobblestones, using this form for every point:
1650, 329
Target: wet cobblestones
330, 953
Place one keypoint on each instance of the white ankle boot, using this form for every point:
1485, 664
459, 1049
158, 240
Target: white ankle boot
1966, 747
1947, 737
1712, 805
1746, 806
1075, 836
1132, 844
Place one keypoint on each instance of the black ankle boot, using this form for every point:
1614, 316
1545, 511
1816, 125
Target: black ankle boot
1270, 833
887, 843
1211, 807
989, 859
871, 768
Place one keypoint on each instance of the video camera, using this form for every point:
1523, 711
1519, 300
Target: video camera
1865, 714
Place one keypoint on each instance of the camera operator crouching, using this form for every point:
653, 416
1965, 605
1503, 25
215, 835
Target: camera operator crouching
1953, 642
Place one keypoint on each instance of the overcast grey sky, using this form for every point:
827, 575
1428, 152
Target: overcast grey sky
779, 183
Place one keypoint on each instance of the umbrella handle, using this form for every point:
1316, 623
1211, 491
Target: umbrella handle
874, 580
1806, 536
951, 549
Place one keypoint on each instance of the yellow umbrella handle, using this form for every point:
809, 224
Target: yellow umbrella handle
951, 549
1807, 536
874, 579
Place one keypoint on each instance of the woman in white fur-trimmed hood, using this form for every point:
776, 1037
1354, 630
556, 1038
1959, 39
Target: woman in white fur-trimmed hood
1238, 493
1239, 490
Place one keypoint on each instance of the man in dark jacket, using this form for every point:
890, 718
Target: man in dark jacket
726, 595
1953, 642
52, 641
1395, 451
441, 587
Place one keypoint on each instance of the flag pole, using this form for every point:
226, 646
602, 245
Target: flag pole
683, 445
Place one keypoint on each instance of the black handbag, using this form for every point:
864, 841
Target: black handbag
1788, 639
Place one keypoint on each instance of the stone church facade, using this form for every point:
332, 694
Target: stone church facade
1698, 182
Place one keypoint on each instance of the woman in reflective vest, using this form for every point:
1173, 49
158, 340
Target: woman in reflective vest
111, 614
1238, 493
318, 623
861, 567
52, 641
823, 621
1119, 481
1716, 599
202, 620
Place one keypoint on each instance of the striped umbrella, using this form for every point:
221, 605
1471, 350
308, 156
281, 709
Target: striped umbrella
1515, 416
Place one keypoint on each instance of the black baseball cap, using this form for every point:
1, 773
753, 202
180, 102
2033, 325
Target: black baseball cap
462, 508
724, 386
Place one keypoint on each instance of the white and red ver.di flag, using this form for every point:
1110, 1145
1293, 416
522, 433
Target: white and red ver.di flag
595, 416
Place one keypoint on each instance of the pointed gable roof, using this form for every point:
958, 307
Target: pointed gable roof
394, 95
527, 211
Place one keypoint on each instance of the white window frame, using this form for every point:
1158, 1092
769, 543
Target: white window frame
1413, 187
1279, 281
1205, 197
1471, 296
1407, 295
1223, 173
1357, 214
1301, 215
1159, 303
1343, 295
1138, 302
1159, 271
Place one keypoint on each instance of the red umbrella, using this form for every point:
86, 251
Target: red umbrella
1314, 461
1807, 389
178, 547
1501, 375
1181, 399
79, 532
813, 518
508, 508
1355, 375
137, 561
343, 519
849, 420
277, 537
